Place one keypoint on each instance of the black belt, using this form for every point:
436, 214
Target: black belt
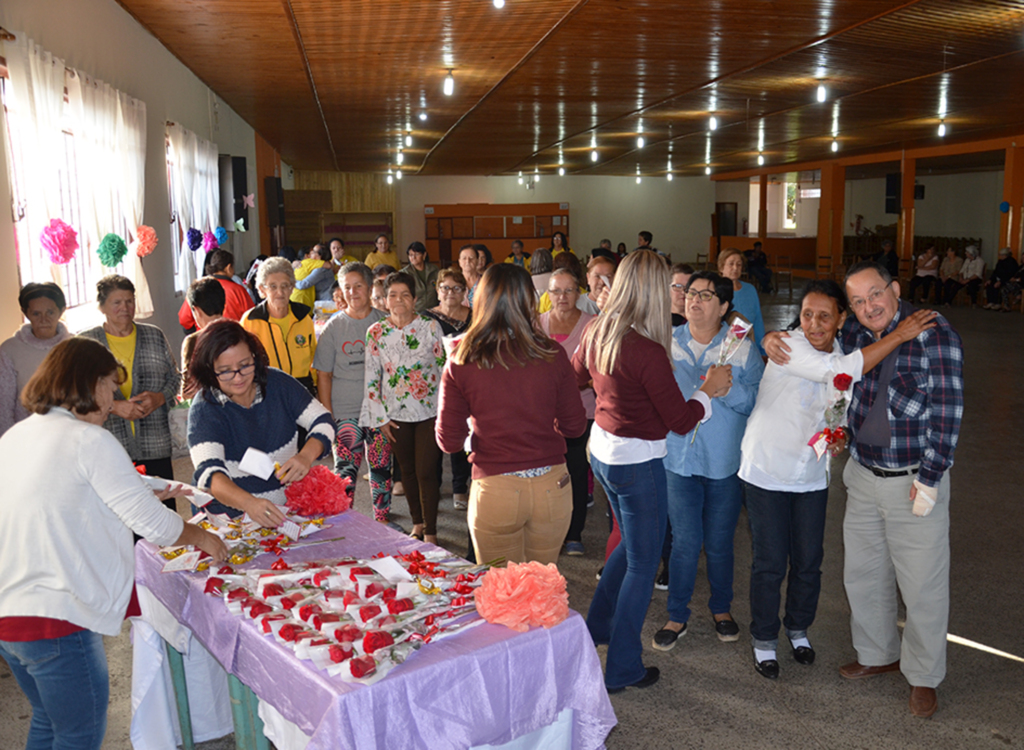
884, 474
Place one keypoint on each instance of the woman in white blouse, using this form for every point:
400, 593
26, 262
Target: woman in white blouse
786, 481
71, 500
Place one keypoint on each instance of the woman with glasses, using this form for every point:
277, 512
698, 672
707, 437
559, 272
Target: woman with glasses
704, 491
284, 327
625, 352
565, 323
454, 318
244, 403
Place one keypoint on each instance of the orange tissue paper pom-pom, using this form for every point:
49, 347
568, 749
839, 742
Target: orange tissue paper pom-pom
145, 241
320, 493
523, 595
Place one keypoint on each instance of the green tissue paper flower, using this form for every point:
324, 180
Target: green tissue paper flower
111, 250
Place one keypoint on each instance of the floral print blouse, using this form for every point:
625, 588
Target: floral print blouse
403, 372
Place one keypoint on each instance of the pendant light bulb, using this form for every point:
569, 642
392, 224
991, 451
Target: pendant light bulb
942, 130
707, 170
391, 179
499, 4
408, 139
449, 84
593, 155
835, 145
713, 123
423, 116
561, 171
398, 174
638, 179
760, 160
400, 157
640, 141
520, 177
822, 93
669, 177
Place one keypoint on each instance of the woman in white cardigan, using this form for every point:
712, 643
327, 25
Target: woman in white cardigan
786, 480
71, 500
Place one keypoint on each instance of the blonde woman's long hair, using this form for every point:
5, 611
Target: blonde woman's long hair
504, 330
639, 301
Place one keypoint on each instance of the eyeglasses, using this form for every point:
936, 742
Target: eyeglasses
677, 287
704, 295
444, 289
873, 297
226, 376
286, 288
560, 292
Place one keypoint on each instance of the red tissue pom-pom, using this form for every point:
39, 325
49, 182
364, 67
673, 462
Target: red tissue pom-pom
842, 381
320, 493
523, 595
376, 639
364, 666
145, 240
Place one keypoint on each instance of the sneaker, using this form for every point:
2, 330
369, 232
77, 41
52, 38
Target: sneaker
574, 549
665, 639
460, 501
728, 631
598, 576
662, 582
590, 501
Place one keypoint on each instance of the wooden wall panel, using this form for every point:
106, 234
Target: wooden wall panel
350, 191
268, 164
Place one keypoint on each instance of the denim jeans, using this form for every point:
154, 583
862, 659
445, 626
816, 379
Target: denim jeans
787, 529
66, 681
638, 497
703, 513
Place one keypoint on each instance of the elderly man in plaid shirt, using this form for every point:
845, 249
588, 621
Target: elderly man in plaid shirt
904, 420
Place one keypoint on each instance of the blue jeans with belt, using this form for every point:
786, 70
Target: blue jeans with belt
638, 496
66, 681
704, 513
788, 531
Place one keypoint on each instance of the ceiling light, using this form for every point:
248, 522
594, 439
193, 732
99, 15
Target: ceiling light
400, 157
835, 145
449, 84
593, 155
561, 171
423, 116
707, 170
669, 177
408, 139
499, 4
640, 141
638, 179
713, 123
520, 177
390, 177
536, 175
760, 160
942, 130
822, 93
398, 174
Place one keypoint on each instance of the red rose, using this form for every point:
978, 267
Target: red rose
364, 666
359, 572
395, 606
376, 639
289, 632
322, 576
279, 564
350, 597
225, 569
288, 602
369, 612
213, 585
389, 594
236, 594
259, 608
348, 634
306, 611
373, 589
273, 589
842, 381
339, 654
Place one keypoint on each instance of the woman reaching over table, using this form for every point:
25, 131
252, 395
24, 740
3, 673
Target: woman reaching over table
786, 481
404, 357
246, 404
516, 387
20, 355
625, 352
66, 547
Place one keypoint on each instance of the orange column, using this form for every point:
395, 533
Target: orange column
830, 219
1013, 193
905, 229
762, 207
268, 164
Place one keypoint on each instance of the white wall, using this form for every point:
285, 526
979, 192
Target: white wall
866, 197
677, 213
738, 193
100, 38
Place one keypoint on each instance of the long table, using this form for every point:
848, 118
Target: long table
486, 685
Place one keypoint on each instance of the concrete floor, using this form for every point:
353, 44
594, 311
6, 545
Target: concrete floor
710, 696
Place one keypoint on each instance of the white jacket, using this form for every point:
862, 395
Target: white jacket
70, 501
790, 409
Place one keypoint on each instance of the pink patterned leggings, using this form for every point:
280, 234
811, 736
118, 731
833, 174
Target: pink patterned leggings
349, 445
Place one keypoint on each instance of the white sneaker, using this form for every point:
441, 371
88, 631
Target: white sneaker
460, 501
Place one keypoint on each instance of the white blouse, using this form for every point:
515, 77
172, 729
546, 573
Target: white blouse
790, 409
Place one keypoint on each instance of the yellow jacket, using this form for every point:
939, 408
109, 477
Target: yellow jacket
526, 260
292, 353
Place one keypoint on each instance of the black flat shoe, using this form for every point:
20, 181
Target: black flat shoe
768, 668
666, 638
804, 655
652, 676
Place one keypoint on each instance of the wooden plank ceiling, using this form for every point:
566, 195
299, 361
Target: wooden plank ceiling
339, 84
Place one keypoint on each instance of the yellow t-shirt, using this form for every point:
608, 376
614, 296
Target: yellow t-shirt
389, 258
123, 349
285, 323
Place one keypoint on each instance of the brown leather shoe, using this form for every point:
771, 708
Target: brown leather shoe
923, 701
856, 671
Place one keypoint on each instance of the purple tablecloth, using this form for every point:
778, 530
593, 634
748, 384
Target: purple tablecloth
487, 685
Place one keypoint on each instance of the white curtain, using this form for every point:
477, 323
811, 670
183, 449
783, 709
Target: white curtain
195, 176
37, 88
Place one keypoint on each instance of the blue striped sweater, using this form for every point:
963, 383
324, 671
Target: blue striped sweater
220, 432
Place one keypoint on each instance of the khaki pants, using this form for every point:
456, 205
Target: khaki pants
520, 519
887, 545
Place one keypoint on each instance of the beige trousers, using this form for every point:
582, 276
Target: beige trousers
888, 546
520, 519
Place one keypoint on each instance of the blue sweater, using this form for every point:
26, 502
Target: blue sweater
747, 304
714, 451
220, 431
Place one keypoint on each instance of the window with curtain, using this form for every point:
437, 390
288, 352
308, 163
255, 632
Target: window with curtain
77, 152
193, 184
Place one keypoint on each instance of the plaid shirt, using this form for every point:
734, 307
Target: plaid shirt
926, 399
